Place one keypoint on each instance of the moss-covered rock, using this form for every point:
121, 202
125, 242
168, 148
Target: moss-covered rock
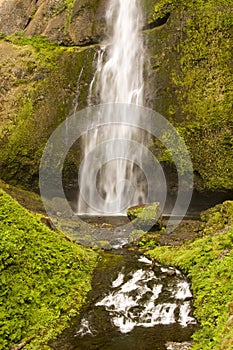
190, 83
27, 199
136, 235
146, 217
44, 277
43, 96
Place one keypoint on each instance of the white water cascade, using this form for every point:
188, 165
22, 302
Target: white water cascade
134, 303
118, 79
145, 298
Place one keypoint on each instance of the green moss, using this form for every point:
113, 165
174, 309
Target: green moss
218, 217
208, 262
211, 151
194, 79
149, 241
46, 53
145, 216
27, 199
44, 278
42, 105
136, 235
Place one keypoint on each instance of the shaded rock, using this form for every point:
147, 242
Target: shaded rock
158, 22
48, 222
60, 207
146, 216
170, 272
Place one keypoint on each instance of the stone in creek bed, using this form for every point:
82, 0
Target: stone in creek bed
146, 216
178, 346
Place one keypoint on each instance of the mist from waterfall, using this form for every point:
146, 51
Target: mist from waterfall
118, 79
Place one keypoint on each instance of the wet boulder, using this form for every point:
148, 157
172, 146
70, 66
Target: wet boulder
146, 216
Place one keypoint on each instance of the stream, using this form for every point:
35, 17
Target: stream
132, 306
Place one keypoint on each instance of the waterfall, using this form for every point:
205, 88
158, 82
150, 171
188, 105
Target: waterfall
119, 73
118, 79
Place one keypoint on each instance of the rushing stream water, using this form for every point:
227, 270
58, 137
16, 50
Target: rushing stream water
132, 306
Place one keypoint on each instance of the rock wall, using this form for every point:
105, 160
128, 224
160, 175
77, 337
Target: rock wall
67, 22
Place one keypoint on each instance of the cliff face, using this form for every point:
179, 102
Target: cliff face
191, 59
67, 22
189, 78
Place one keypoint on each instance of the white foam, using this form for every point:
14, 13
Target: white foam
144, 260
137, 302
184, 318
84, 328
118, 281
182, 292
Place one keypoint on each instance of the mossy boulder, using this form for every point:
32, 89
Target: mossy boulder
146, 217
105, 245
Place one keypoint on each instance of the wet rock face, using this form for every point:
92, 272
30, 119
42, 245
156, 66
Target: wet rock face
80, 22
15, 14
77, 23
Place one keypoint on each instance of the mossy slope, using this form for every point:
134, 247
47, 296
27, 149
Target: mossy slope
208, 262
44, 277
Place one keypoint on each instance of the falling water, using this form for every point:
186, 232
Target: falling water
118, 79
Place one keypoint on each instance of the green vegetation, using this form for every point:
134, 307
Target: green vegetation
149, 241
45, 52
218, 217
44, 99
208, 262
44, 277
39, 42
194, 73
